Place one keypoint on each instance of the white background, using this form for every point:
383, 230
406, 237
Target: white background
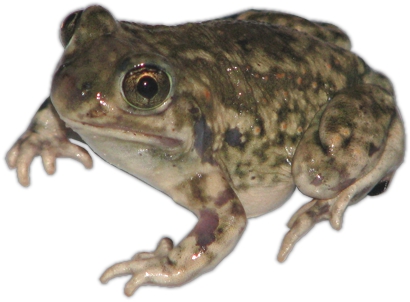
58, 235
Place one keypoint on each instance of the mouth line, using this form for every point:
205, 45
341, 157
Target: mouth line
126, 134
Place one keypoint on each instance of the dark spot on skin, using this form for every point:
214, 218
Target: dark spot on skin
380, 188
203, 140
283, 45
244, 44
317, 181
205, 228
280, 139
317, 211
344, 184
194, 110
225, 197
261, 155
237, 209
283, 114
373, 149
335, 63
233, 137
377, 110
239, 171
196, 191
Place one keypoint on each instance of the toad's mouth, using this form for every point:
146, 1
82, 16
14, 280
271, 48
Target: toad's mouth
86, 130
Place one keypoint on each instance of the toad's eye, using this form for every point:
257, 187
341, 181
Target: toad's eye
146, 87
69, 26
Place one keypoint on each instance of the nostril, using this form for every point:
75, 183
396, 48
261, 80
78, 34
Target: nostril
85, 88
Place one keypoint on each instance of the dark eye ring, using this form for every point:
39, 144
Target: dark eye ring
146, 87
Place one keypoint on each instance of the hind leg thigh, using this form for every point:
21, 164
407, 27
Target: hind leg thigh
355, 143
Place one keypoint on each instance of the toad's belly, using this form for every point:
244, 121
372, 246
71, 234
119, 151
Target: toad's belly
260, 200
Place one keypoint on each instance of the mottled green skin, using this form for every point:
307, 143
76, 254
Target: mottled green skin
259, 103
260, 88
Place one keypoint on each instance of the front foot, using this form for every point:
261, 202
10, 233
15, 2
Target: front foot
145, 267
221, 222
32, 144
47, 137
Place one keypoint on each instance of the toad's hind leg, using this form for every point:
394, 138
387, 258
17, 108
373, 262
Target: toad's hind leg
355, 144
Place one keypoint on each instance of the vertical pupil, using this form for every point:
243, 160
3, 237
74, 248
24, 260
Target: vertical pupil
147, 87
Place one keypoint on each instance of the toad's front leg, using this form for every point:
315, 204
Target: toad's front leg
222, 221
48, 137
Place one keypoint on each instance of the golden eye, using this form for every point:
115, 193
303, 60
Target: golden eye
146, 87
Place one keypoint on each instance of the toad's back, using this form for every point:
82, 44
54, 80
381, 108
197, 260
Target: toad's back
258, 86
